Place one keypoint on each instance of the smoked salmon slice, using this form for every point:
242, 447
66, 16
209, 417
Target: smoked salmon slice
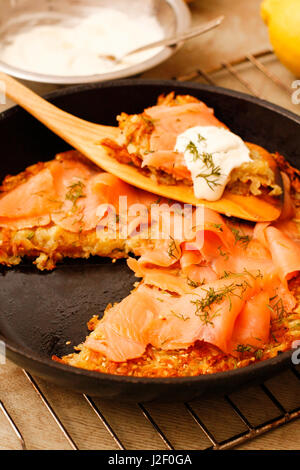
171, 280
152, 316
30, 203
252, 326
285, 253
169, 121
68, 192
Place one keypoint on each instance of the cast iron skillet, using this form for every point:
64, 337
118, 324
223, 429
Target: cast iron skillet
39, 312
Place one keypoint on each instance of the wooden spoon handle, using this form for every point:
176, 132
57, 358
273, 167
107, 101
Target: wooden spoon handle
64, 124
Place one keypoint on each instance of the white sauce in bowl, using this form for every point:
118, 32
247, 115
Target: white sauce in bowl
68, 49
211, 153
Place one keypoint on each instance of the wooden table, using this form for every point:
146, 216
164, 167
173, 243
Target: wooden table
242, 33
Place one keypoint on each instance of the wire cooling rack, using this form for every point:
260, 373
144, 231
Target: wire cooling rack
210, 76
283, 413
281, 417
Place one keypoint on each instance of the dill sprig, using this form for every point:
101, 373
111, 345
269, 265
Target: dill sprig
30, 236
214, 172
203, 306
258, 275
180, 316
249, 348
227, 274
274, 337
223, 253
277, 308
192, 148
201, 138
240, 237
242, 348
219, 227
216, 296
75, 192
173, 248
258, 353
192, 283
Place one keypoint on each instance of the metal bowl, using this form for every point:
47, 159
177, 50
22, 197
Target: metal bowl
173, 15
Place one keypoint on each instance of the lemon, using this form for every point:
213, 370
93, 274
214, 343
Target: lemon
283, 19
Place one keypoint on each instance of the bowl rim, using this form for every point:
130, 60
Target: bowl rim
183, 19
250, 370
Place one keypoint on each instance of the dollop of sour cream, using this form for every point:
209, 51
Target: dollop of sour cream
211, 153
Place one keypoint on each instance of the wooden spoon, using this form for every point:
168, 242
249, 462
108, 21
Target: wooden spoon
86, 136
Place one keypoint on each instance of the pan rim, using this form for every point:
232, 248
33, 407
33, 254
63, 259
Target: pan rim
201, 379
249, 370
69, 90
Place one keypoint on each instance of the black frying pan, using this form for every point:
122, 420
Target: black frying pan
40, 312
